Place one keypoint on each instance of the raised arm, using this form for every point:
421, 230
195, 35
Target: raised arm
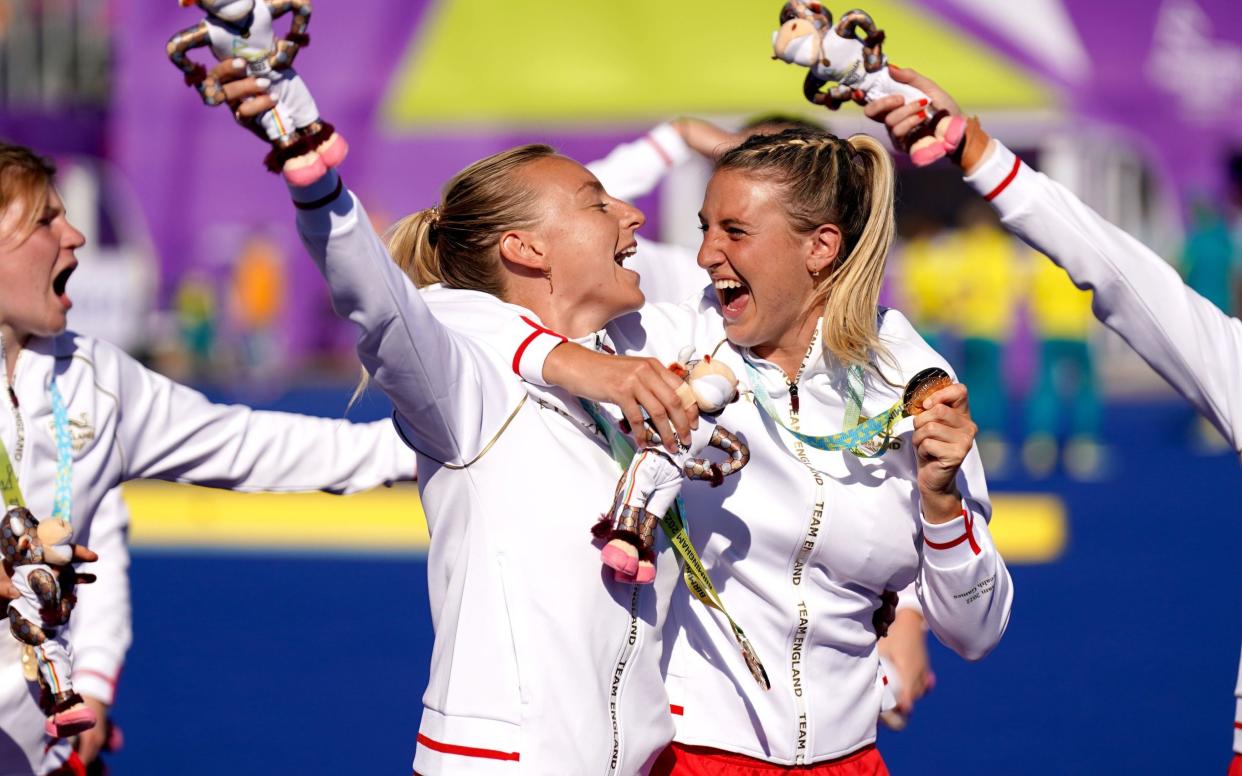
170, 432
1190, 342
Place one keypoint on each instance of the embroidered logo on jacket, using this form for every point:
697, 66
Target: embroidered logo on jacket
81, 432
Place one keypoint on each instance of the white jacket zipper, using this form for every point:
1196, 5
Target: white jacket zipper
802, 629
619, 674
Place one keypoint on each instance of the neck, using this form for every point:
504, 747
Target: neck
559, 315
788, 350
14, 341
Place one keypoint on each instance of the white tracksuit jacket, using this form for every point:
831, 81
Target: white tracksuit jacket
801, 544
670, 274
802, 571
1184, 337
542, 663
126, 423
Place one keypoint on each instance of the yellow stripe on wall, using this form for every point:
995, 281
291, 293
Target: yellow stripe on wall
1028, 528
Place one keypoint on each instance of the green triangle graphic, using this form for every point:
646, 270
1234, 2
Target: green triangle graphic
540, 61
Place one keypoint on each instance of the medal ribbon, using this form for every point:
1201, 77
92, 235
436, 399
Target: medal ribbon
858, 438
674, 526
63, 505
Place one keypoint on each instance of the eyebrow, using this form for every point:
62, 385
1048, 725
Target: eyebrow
594, 185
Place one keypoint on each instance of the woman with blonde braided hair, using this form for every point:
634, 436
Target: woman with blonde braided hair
845, 496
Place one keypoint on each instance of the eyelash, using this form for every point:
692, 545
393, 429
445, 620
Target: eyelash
603, 207
732, 231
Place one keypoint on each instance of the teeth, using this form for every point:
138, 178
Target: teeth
625, 254
723, 284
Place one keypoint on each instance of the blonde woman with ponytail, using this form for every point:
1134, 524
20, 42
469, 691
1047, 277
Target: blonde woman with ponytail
805, 541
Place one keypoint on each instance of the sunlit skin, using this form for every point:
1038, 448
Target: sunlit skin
747, 237
34, 269
581, 238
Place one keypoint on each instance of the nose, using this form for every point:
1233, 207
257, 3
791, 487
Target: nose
631, 217
709, 254
72, 238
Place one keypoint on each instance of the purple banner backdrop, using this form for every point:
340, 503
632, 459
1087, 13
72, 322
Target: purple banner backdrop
1167, 71
193, 169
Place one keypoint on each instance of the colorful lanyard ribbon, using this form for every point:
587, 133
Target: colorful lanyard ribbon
858, 438
62, 507
694, 572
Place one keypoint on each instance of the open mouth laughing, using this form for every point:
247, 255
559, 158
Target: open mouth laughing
733, 295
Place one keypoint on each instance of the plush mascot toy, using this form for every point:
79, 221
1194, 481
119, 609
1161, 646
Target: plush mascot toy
649, 486
835, 54
40, 554
303, 146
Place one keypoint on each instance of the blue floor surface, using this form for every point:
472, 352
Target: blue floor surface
1120, 657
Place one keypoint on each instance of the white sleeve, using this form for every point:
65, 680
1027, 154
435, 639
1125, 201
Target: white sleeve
1184, 337
633, 169
449, 391
100, 629
167, 431
963, 582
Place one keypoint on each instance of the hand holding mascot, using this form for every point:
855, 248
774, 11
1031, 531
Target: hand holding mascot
835, 54
303, 146
652, 481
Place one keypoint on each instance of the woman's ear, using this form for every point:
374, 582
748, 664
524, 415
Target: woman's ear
524, 249
826, 245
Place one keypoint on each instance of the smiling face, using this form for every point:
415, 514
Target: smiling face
583, 237
759, 265
35, 268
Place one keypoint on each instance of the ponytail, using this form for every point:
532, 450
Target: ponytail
851, 293
412, 246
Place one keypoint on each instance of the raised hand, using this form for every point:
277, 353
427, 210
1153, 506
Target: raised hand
943, 436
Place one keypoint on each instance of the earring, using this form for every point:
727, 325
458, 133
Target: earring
547, 274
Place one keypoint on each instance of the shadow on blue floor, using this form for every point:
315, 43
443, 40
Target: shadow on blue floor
1120, 658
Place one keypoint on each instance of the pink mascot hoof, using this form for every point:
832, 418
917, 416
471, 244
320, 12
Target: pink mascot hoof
954, 134
616, 558
70, 722
332, 151
621, 576
646, 573
304, 170
927, 154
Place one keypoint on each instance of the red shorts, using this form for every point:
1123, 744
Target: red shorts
1235, 767
681, 760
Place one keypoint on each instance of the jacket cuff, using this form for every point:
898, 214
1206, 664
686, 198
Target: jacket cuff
1001, 177
668, 143
954, 543
95, 673
533, 351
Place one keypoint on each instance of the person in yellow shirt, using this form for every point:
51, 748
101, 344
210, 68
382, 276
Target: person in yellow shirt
985, 293
1066, 383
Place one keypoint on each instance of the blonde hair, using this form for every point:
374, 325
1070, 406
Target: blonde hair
457, 243
849, 183
25, 179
